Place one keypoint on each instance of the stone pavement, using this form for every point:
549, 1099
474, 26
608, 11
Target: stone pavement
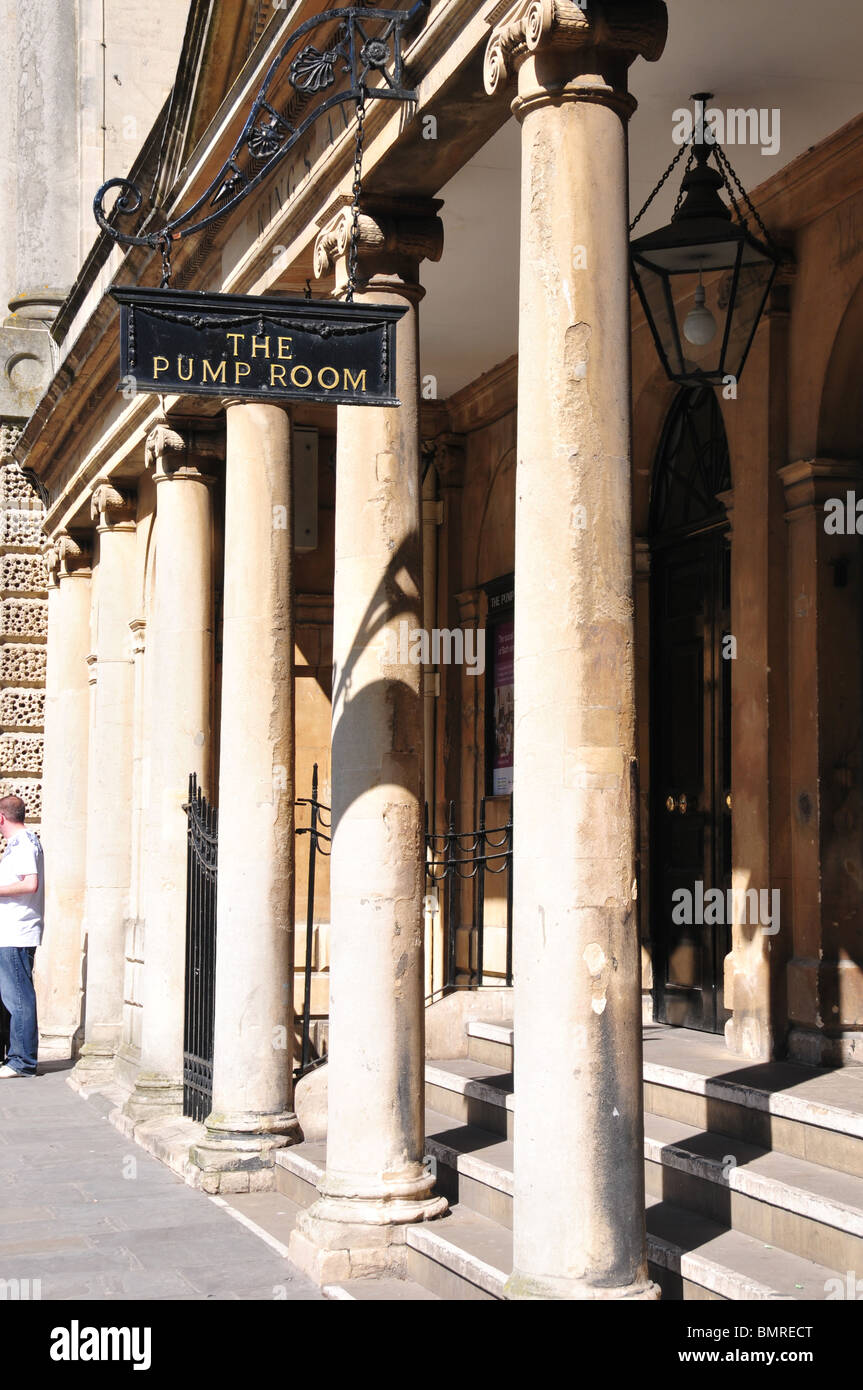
92, 1216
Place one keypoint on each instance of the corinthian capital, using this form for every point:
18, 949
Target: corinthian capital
623, 29
394, 236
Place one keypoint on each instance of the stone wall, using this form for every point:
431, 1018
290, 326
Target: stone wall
23, 634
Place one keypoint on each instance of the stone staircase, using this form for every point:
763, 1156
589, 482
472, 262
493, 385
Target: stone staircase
754, 1174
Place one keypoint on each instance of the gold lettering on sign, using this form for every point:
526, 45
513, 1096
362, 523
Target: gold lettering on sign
290, 351
241, 369
164, 367
236, 338
328, 385
214, 375
262, 345
185, 376
280, 378
355, 383
294, 376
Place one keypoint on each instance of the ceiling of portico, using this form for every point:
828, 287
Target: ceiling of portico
800, 57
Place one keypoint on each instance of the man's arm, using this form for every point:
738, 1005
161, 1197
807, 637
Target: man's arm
29, 883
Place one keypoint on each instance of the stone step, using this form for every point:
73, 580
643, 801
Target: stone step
379, 1291
491, 1043
467, 1255
472, 1092
462, 1256
692, 1258
809, 1210
806, 1112
804, 1208
298, 1171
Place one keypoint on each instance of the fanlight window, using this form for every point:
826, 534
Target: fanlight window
692, 465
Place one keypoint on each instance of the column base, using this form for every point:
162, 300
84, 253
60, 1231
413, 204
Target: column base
817, 1049
94, 1068
58, 1046
241, 1158
154, 1095
527, 1287
337, 1239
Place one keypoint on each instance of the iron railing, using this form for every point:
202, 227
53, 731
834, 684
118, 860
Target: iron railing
458, 866
458, 857
319, 843
200, 1010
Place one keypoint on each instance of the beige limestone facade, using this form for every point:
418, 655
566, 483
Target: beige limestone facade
671, 682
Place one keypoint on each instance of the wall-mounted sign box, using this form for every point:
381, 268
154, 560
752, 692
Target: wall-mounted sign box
174, 341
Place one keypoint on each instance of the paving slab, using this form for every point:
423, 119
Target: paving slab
93, 1216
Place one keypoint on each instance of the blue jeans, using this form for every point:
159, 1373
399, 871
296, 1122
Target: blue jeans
19, 998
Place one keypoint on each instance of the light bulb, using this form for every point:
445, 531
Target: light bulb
700, 326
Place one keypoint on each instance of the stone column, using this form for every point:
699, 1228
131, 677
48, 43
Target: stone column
179, 730
64, 797
253, 1062
579, 1188
375, 1180
109, 800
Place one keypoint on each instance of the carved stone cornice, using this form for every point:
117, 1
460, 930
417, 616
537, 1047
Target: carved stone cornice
603, 39
112, 509
394, 237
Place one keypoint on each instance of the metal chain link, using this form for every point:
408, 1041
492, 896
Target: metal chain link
665, 177
165, 248
727, 169
354, 253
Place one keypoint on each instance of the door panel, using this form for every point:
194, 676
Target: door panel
690, 819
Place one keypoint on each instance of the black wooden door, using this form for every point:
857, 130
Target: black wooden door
692, 654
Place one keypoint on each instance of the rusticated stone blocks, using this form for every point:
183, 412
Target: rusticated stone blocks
23, 572
20, 753
23, 617
22, 663
23, 632
22, 709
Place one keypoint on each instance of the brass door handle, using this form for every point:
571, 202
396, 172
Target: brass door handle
680, 804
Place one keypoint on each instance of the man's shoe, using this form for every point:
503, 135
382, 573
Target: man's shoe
7, 1072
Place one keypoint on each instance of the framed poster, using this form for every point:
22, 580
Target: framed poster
500, 706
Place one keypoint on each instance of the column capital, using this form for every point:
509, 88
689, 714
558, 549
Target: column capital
112, 509
65, 558
395, 235
810, 483
176, 453
576, 51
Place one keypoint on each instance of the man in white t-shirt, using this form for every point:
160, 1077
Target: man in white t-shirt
22, 905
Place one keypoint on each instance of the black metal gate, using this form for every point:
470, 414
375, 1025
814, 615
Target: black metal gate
200, 1016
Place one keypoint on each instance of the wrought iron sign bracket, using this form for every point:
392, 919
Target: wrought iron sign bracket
366, 44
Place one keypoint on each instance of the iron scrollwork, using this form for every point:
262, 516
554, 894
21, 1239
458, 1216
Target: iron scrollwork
367, 43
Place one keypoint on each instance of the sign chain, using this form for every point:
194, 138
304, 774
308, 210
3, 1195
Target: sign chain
165, 248
357, 190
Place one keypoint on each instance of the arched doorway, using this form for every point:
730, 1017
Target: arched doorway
691, 650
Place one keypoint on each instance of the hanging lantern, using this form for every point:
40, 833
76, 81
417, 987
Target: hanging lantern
704, 279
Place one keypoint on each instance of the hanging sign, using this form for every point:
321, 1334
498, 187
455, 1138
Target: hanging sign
192, 344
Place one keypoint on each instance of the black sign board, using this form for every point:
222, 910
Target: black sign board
258, 348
